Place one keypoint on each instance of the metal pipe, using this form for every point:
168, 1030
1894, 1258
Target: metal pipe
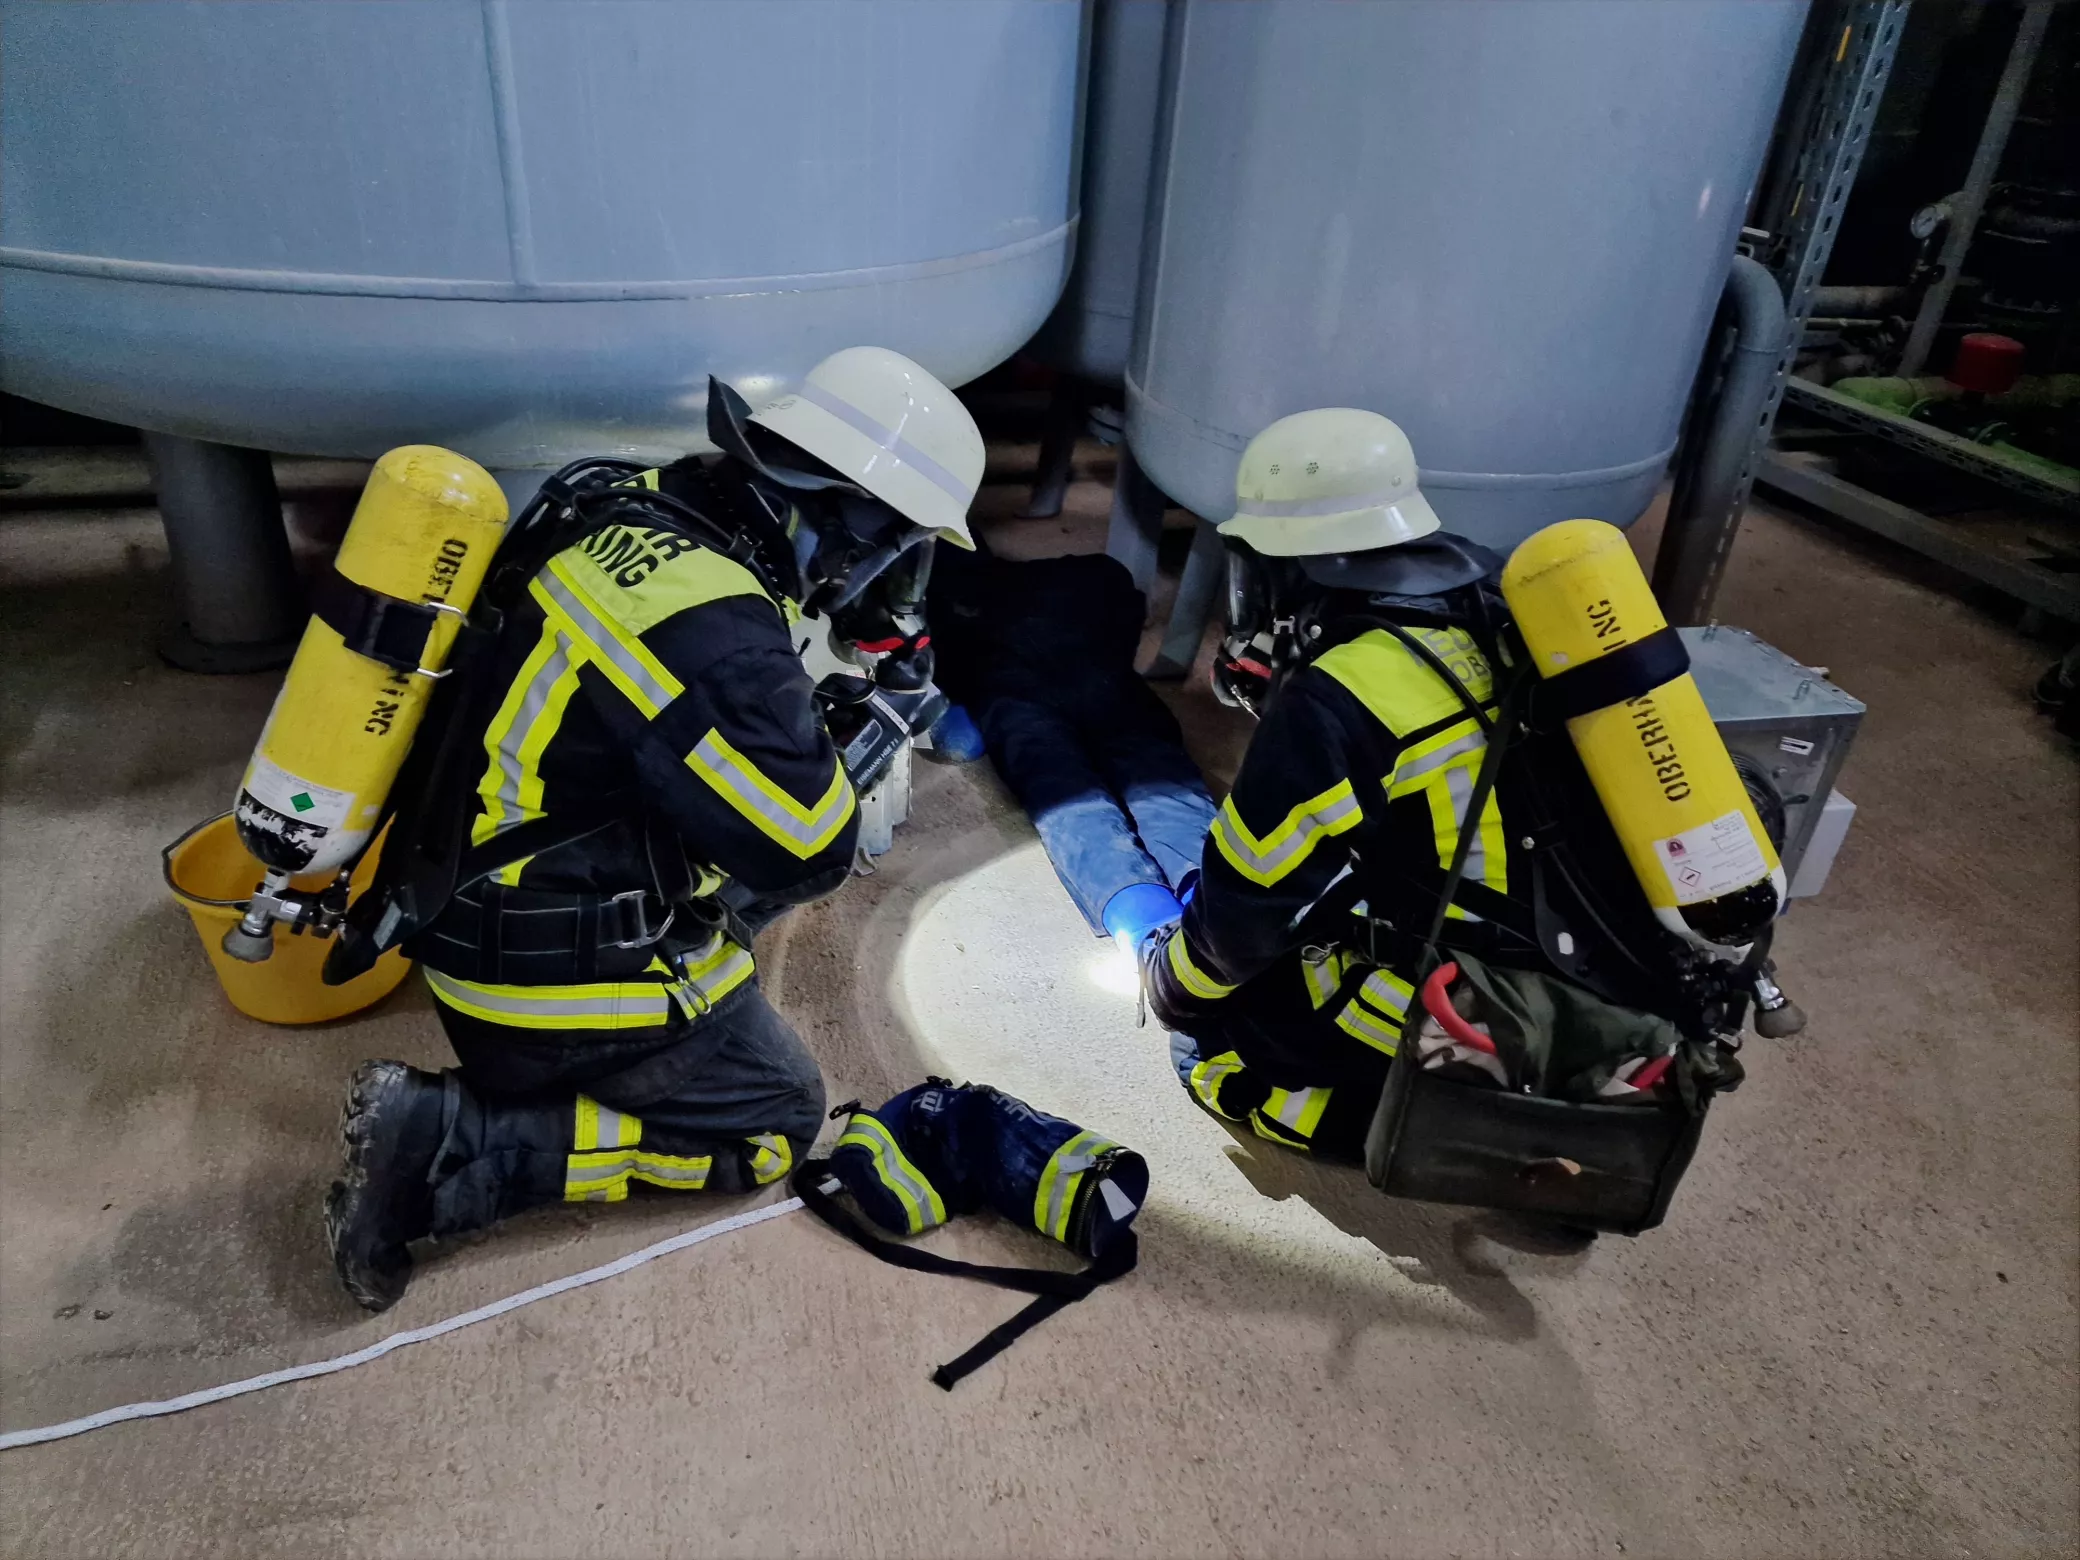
1859, 302
241, 608
1712, 487
1968, 203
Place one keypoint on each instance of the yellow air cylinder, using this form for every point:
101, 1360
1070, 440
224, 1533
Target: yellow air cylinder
424, 532
1656, 760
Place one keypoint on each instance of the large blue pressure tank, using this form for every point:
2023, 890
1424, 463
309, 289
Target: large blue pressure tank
1504, 226
527, 229
1092, 328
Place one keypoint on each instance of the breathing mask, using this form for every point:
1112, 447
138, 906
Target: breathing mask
864, 566
1271, 609
1281, 608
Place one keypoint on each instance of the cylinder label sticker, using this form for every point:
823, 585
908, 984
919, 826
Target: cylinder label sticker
1712, 859
312, 805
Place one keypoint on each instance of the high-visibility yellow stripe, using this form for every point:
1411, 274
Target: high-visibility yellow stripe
526, 720
1265, 861
1361, 1023
600, 1177
1189, 975
1444, 768
1209, 1075
1055, 1197
1285, 1137
639, 575
601, 1126
772, 1156
628, 664
1297, 1110
803, 831
923, 1208
1403, 693
1324, 976
593, 1005
673, 1172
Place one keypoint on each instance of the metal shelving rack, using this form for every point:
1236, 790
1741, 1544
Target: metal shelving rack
2019, 557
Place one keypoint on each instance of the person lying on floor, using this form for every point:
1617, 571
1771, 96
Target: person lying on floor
1041, 655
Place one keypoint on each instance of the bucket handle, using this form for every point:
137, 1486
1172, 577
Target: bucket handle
166, 868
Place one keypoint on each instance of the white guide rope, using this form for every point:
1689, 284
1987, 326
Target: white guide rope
398, 1340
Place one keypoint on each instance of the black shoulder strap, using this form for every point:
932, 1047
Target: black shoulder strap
1617, 675
1052, 1289
386, 629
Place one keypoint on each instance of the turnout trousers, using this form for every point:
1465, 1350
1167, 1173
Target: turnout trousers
1300, 1052
723, 1101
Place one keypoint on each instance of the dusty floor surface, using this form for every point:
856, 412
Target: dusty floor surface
1855, 1336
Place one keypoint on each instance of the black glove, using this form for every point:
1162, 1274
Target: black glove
1173, 1006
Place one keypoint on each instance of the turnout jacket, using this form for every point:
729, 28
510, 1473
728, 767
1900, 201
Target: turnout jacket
650, 683
1366, 763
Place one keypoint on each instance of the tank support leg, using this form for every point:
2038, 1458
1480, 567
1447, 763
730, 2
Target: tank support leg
1198, 592
240, 606
1067, 411
1137, 521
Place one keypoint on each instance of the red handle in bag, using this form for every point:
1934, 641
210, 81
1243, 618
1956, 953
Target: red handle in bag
1439, 1006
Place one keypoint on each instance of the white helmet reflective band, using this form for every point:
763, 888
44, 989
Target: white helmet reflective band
1335, 480
888, 424
1299, 508
898, 446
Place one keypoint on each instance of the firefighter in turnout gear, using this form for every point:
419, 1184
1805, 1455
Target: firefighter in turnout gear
650, 779
1347, 608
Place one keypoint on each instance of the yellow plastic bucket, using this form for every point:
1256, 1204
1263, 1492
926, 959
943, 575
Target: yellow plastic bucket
211, 874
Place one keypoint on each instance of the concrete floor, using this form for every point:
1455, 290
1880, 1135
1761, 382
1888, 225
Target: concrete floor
1855, 1336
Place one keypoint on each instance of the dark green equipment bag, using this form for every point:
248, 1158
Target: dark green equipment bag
1549, 1144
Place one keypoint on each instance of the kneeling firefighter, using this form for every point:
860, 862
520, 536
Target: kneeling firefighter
1379, 653
631, 777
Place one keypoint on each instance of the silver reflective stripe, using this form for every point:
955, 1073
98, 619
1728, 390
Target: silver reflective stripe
1459, 784
1383, 995
626, 1005
1356, 1020
892, 441
1069, 1166
601, 641
1322, 978
1272, 863
606, 1170
515, 738
1294, 1110
807, 834
717, 983
891, 1166
1472, 742
691, 1174
610, 1133
1208, 1076
1334, 504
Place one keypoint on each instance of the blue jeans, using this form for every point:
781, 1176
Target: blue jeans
1106, 780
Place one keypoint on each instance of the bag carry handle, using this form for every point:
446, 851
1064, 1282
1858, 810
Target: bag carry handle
1052, 1289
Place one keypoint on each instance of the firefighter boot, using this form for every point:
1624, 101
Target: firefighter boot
390, 1134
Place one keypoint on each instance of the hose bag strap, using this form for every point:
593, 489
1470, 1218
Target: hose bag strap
386, 629
1051, 1288
1617, 675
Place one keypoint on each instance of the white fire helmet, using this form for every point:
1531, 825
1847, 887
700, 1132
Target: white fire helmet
1333, 480
892, 427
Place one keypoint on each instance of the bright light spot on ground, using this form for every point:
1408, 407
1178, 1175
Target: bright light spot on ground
1000, 981
1112, 969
